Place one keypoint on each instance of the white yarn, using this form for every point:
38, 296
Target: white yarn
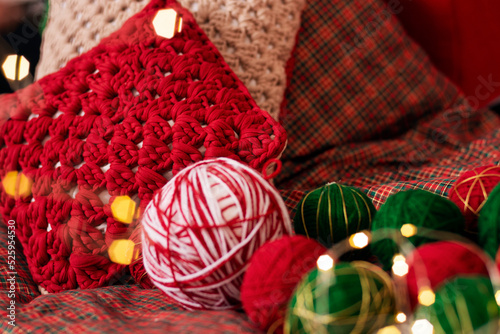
209, 266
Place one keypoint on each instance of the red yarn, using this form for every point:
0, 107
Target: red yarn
121, 119
470, 192
274, 272
438, 262
137, 269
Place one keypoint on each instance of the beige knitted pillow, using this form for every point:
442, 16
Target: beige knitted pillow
256, 37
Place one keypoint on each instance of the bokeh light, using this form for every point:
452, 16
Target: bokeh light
359, 240
17, 184
401, 317
497, 297
124, 209
325, 262
422, 326
122, 251
400, 267
16, 67
426, 296
389, 330
408, 230
167, 23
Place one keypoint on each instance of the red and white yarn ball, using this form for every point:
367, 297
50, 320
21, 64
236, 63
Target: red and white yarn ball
201, 229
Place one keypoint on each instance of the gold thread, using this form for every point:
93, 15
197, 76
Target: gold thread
382, 300
357, 208
367, 209
330, 215
317, 211
302, 212
345, 210
274, 326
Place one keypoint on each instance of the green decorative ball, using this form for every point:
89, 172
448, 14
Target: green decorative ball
463, 305
489, 223
420, 208
355, 297
332, 213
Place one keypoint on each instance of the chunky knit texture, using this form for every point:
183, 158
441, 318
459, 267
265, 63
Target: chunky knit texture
121, 119
256, 37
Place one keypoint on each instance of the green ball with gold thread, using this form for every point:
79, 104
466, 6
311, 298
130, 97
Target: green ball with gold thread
354, 297
465, 304
332, 213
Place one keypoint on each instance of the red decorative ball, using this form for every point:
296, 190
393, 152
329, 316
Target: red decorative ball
274, 272
435, 263
471, 190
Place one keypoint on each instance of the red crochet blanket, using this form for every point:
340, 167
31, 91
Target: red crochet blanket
121, 119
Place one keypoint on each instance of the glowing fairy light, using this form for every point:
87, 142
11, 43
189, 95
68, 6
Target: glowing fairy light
122, 252
16, 67
124, 209
426, 296
17, 184
408, 230
359, 240
401, 317
167, 23
422, 326
497, 297
400, 267
325, 262
389, 330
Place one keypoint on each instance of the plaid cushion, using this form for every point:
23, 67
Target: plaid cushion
357, 78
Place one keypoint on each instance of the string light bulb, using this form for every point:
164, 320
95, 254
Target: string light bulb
359, 240
167, 23
17, 184
124, 209
401, 317
422, 326
122, 251
408, 230
16, 67
497, 297
400, 267
325, 262
389, 330
426, 296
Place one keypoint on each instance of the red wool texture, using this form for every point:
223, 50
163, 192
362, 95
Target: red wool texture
274, 272
137, 269
435, 263
121, 119
471, 191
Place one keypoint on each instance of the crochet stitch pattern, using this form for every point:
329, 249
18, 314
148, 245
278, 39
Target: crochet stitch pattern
255, 37
119, 120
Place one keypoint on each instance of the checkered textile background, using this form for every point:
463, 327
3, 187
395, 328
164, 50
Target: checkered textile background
364, 99
341, 119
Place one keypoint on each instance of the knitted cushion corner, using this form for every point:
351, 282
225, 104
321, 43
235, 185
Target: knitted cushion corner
255, 37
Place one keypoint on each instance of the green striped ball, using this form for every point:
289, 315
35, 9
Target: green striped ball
463, 305
355, 297
332, 213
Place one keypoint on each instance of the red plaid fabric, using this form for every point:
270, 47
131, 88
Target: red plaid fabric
359, 93
14, 272
118, 309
